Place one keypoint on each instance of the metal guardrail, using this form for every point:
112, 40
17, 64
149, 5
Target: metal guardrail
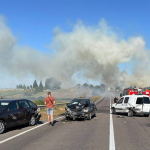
43, 106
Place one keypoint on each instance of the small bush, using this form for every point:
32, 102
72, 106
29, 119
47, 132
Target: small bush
39, 102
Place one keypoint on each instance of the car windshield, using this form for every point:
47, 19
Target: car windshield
3, 105
146, 100
80, 101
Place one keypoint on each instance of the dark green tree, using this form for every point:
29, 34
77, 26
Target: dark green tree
35, 85
91, 86
31, 87
41, 88
24, 87
85, 85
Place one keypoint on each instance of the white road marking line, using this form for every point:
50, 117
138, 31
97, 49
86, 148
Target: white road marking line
26, 131
111, 132
99, 100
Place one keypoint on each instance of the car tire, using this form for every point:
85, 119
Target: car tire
89, 116
146, 115
2, 127
32, 121
113, 110
67, 118
130, 113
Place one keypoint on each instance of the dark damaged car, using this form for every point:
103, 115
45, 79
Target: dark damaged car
17, 112
81, 108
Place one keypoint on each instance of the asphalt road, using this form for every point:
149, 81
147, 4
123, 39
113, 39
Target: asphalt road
130, 133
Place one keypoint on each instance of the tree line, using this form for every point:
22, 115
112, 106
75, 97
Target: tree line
50, 83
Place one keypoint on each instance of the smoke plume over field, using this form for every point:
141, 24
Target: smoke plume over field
88, 52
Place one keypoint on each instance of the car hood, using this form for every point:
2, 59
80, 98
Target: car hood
76, 106
114, 104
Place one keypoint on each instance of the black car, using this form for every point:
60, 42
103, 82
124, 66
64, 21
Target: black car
17, 112
81, 108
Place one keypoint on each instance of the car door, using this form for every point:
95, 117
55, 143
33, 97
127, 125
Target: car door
139, 104
25, 109
119, 106
146, 104
13, 114
125, 104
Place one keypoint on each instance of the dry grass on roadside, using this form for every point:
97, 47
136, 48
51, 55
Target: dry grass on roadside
58, 110
96, 98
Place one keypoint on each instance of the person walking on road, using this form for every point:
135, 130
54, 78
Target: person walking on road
116, 99
49, 102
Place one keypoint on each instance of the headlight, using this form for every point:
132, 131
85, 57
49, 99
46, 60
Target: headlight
85, 110
68, 109
38, 109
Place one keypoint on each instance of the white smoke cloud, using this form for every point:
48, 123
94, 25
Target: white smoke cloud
92, 53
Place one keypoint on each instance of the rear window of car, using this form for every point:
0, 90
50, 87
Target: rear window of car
139, 100
146, 100
3, 105
126, 100
80, 101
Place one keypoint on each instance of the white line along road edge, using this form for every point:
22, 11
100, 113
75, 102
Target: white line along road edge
26, 131
99, 100
111, 132
3, 141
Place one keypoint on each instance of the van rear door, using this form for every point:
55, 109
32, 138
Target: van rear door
139, 104
146, 104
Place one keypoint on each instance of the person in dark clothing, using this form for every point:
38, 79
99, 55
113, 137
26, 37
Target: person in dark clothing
116, 99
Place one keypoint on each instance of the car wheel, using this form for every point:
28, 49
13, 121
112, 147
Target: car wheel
67, 118
89, 116
113, 110
2, 127
146, 115
130, 113
32, 121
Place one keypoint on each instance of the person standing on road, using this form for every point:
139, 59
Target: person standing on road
116, 99
49, 101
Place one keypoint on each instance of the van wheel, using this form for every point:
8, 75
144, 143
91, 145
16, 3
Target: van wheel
130, 113
113, 110
146, 115
2, 127
32, 121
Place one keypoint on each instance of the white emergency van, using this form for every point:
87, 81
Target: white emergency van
132, 104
